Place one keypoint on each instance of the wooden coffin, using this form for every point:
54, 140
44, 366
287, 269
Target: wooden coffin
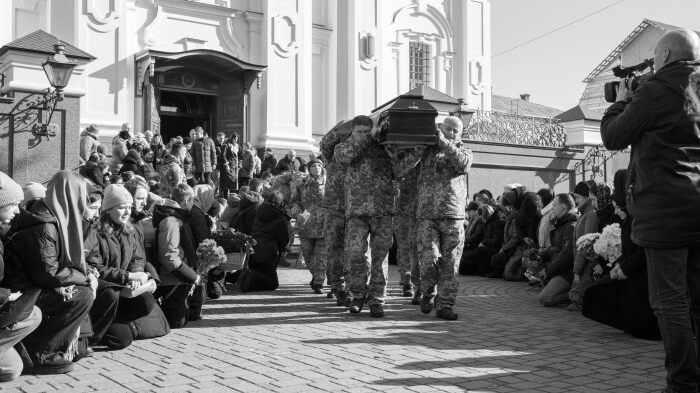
406, 121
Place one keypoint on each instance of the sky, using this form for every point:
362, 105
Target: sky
552, 68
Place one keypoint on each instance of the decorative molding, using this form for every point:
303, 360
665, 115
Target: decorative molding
254, 20
284, 32
477, 75
100, 21
368, 56
447, 58
429, 12
143, 66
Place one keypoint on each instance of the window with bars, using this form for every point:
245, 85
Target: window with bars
419, 63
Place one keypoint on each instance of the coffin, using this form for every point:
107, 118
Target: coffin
406, 121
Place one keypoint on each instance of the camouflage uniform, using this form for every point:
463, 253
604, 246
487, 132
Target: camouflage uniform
308, 196
334, 206
369, 207
442, 198
405, 230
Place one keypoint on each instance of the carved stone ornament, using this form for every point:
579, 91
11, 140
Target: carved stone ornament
368, 48
285, 33
99, 19
476, 75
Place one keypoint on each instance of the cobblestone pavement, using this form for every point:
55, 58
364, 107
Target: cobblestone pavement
290, 340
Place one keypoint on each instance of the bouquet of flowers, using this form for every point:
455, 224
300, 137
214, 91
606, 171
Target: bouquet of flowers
533, 265
139, 144
233, 241
209, 256
585, 245
609, 244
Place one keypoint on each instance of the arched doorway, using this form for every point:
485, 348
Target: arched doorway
202, 87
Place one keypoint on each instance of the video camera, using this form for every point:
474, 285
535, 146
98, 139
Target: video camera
632, 77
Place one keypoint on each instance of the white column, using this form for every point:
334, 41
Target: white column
472, 64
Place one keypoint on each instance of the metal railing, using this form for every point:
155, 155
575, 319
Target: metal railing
594, 161
514, 129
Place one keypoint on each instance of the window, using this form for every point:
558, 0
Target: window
419, 62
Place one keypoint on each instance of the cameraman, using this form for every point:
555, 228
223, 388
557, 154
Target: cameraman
663, 188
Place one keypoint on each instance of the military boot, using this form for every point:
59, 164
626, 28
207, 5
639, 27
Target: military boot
318, 289
356, 305
331, 294
416, 297
376, 311
427, 304
407, 290
447, 313
343, 299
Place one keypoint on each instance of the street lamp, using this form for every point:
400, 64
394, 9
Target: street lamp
58, 69
462, 112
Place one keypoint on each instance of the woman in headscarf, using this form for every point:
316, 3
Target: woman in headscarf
622, 299
46, 253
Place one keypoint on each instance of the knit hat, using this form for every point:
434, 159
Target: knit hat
511, 197
10, 191
33, 191
314, 161
582, 189
115, 195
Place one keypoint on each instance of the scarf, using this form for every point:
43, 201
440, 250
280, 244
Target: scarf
204, 197
66, 198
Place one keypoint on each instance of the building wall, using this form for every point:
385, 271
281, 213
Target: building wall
328, 60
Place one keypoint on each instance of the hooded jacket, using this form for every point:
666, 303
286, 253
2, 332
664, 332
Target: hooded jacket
171, 174
119, 151
493, 231
92, 172
559, 257
270, 234
88, 144
244, 218
665, 159
32, 257
130, 162
174, 247
525, 204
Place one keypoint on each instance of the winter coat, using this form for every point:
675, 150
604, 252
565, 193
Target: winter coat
270, 234
159, 151
88, 145
200, 224
587, 223
203, 152
130, 162
493, 232
284, 165
527, 217
248, 166
120, 255
32, 257
442, 181
92, 172
171, 174
227, 162
119, 151
19, 309
136, 221
308, 196
513, 234
664, 160
474, 233
335, 173
174, 246
244, 218
268, 164
369, 189
559, 257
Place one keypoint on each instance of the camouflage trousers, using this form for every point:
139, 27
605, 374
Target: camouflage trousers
315, 257
334, 239
440, 247
376, 268
407, 253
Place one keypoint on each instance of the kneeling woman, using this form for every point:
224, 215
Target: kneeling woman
123, 264
271, 236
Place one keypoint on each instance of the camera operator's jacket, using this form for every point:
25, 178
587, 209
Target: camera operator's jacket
664, 172
442, 181
369, 189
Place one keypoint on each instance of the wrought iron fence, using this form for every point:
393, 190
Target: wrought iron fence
514, 129
593, 163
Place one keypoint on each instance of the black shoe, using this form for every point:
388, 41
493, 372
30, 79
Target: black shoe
407, 290
51, 368
318, 289
416, 298
343, 299
232, 277
447, 313
331, 294
245, 280
494, 274
427, 304
376, 311
356, 305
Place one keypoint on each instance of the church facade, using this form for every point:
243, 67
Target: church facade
280, 73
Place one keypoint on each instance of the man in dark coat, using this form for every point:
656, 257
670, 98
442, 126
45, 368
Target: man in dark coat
290, 163
559, 257
662, 123
269, 162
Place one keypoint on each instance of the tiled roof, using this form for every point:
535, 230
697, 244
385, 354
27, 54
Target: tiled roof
521, 107
616, 52
430, 94
43, 42
579, 113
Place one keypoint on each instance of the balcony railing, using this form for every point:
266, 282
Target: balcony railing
515, 129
